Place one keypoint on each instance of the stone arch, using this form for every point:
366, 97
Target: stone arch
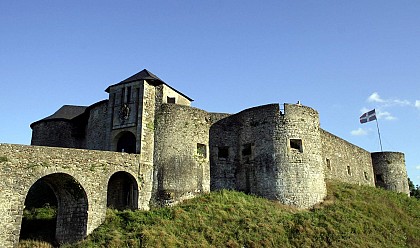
126, 142
122, 191
72, 207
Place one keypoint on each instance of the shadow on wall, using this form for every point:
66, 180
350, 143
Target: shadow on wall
71, 200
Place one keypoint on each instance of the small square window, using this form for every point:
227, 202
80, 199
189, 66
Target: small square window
170, 99
296, 144
201, 150
223, 152
379, 178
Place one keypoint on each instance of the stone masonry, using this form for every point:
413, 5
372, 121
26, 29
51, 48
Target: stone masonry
79, 178
153, 148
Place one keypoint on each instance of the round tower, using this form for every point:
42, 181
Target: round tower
390, 171
300, 175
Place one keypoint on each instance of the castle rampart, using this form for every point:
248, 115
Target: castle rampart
242, 151
390, 171
280, 154
346, 162
181, 157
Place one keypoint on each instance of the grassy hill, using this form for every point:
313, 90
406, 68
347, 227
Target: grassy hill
351, 216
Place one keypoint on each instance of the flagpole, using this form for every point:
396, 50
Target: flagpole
379, 134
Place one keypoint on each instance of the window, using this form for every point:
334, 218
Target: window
379, 178
246, 150
201, 150
296, 144
128, 94
223, 152
170, 99
328, 164
366, 175
122, 95
348, 170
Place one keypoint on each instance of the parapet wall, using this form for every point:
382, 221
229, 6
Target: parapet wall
345, 162
390, 171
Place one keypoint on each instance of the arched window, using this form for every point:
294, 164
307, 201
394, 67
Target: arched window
126, 142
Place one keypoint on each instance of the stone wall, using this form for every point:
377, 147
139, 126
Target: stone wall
122, 96
345, 162
390, 171
56, 133
297, 144
241, 151
97, 127
78, 177
181, 158
164, 92
252, 152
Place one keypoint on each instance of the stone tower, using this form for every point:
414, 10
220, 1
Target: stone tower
269, 153
298, 155
131, 112
390, 171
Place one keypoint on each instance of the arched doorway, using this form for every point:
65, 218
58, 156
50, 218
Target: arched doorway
126, 142
122, 192
71, 202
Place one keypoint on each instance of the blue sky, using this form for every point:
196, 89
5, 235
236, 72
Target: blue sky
339, 57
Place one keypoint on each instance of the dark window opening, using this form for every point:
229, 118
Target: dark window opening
328, 163
349, 170
122, 95
296, 144
379, 178
223, 152
366, 175
246, 150
202, 150
129, 94
127, 143
170, 99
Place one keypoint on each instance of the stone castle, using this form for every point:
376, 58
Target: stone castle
274, 151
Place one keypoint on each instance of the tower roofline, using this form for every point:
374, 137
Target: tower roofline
149, 77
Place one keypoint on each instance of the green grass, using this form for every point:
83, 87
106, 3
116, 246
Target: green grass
38, 227
351, 216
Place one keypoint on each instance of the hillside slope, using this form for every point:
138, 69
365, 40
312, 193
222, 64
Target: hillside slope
351, 216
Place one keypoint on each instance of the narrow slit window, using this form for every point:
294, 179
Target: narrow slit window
328, 164
348, 170
122, 95
202, 150
223, 152
296, 144
366, 175
129, 94
170, 99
